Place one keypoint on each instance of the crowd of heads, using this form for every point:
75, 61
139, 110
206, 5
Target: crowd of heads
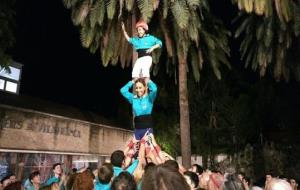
165, 176
147, 175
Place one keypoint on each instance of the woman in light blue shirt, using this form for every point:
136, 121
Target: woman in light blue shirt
144, 44
142, 104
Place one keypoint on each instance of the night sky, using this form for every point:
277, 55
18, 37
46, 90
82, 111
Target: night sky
56, 67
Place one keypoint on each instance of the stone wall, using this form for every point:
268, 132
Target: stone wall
23, 129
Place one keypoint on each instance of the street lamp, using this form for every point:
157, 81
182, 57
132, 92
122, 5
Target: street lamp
10, 81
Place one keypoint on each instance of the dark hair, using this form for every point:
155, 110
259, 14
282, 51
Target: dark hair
164, 178
32, 175
233, 183
14, 186
71, 180
270, 172
247, 179
54, 165
149, 166
193, 177
124, 181
84, 181
141, 80
172, 164
74, 170
105, 173
117, 158
199, 169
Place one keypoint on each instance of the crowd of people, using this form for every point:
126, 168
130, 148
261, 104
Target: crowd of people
145, 171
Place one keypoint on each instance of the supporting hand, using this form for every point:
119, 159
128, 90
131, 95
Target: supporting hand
149, 50
123, 26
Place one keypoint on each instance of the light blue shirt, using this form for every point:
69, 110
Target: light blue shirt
140, 105
52, 180
130, 169
145, 42
100, 186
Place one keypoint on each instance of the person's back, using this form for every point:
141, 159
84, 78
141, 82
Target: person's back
163, 178
232, 182
84, 181
71, 180
124, 181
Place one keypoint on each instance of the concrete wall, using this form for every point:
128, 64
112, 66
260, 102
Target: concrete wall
23, 129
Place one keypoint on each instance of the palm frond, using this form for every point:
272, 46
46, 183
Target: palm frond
129, 5
121, 3
296, 25
194, 26
97, 13
79, 14
86, 35
180, 13
168, 40
111, 8
155, 4
146, 9
193, 4
195, 64
165, 8
70, 3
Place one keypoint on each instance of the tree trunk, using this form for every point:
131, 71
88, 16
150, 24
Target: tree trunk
184, 114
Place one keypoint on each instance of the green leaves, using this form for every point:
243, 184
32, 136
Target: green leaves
97, 13
111, 8
146, 9
274, 34
180, 13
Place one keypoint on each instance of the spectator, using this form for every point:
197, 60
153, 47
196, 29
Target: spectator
124, 181
105, 175
197, 169
57, 171
118, 159
34, 180
163, 178
84, 181
233, 182
294, 184
191, 179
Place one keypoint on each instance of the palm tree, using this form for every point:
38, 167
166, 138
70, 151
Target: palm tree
192, 37
268, 28
7, 38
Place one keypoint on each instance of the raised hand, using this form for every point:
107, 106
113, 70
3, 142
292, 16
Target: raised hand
123, 26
